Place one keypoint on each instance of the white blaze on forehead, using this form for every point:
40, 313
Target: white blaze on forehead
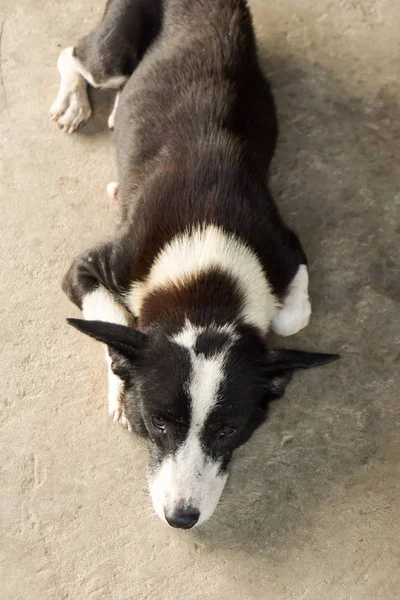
207, 373
201, 249
187, 337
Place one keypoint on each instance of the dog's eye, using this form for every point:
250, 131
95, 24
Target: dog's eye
159, 423
226, 430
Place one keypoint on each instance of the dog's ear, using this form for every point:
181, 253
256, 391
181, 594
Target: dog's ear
279, 366
128, 342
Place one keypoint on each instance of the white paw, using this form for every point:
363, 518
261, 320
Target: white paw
115, 407
115, 392
71, 110
292, 318
117, 413
124, 422
112, 189
115, 395
296, 309
111, 120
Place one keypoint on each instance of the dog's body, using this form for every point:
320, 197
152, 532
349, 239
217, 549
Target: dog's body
202, 259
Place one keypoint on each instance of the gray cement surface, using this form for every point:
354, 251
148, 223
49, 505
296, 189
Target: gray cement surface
312, 509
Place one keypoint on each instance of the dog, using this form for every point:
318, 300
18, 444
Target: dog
202, 265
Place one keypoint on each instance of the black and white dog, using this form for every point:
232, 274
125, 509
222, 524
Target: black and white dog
202, 265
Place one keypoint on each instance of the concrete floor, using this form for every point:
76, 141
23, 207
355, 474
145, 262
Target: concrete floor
312, 509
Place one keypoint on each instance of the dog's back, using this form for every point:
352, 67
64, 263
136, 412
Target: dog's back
195, 134
199, 86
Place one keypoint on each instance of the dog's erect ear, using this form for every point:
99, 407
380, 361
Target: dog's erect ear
280, 365
124, 340
290, 360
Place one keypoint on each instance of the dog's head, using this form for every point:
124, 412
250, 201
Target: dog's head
197, 393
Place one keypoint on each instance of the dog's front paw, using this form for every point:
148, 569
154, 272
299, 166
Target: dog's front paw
117, 412
295, 312
115, 403
112, 189
116, 397
115, 408
293, 317
125, 422
71, 110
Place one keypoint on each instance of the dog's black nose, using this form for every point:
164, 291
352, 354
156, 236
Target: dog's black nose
185, 519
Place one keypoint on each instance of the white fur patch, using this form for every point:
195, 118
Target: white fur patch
296, 308
71, 108
111, 118
112, 189
188, 335
100, 305
206, 374
208, 247
115, 391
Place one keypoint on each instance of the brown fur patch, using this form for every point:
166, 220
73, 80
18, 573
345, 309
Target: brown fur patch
208, 297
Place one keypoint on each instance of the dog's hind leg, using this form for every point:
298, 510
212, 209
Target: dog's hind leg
90, 284
71, 108
105, 58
